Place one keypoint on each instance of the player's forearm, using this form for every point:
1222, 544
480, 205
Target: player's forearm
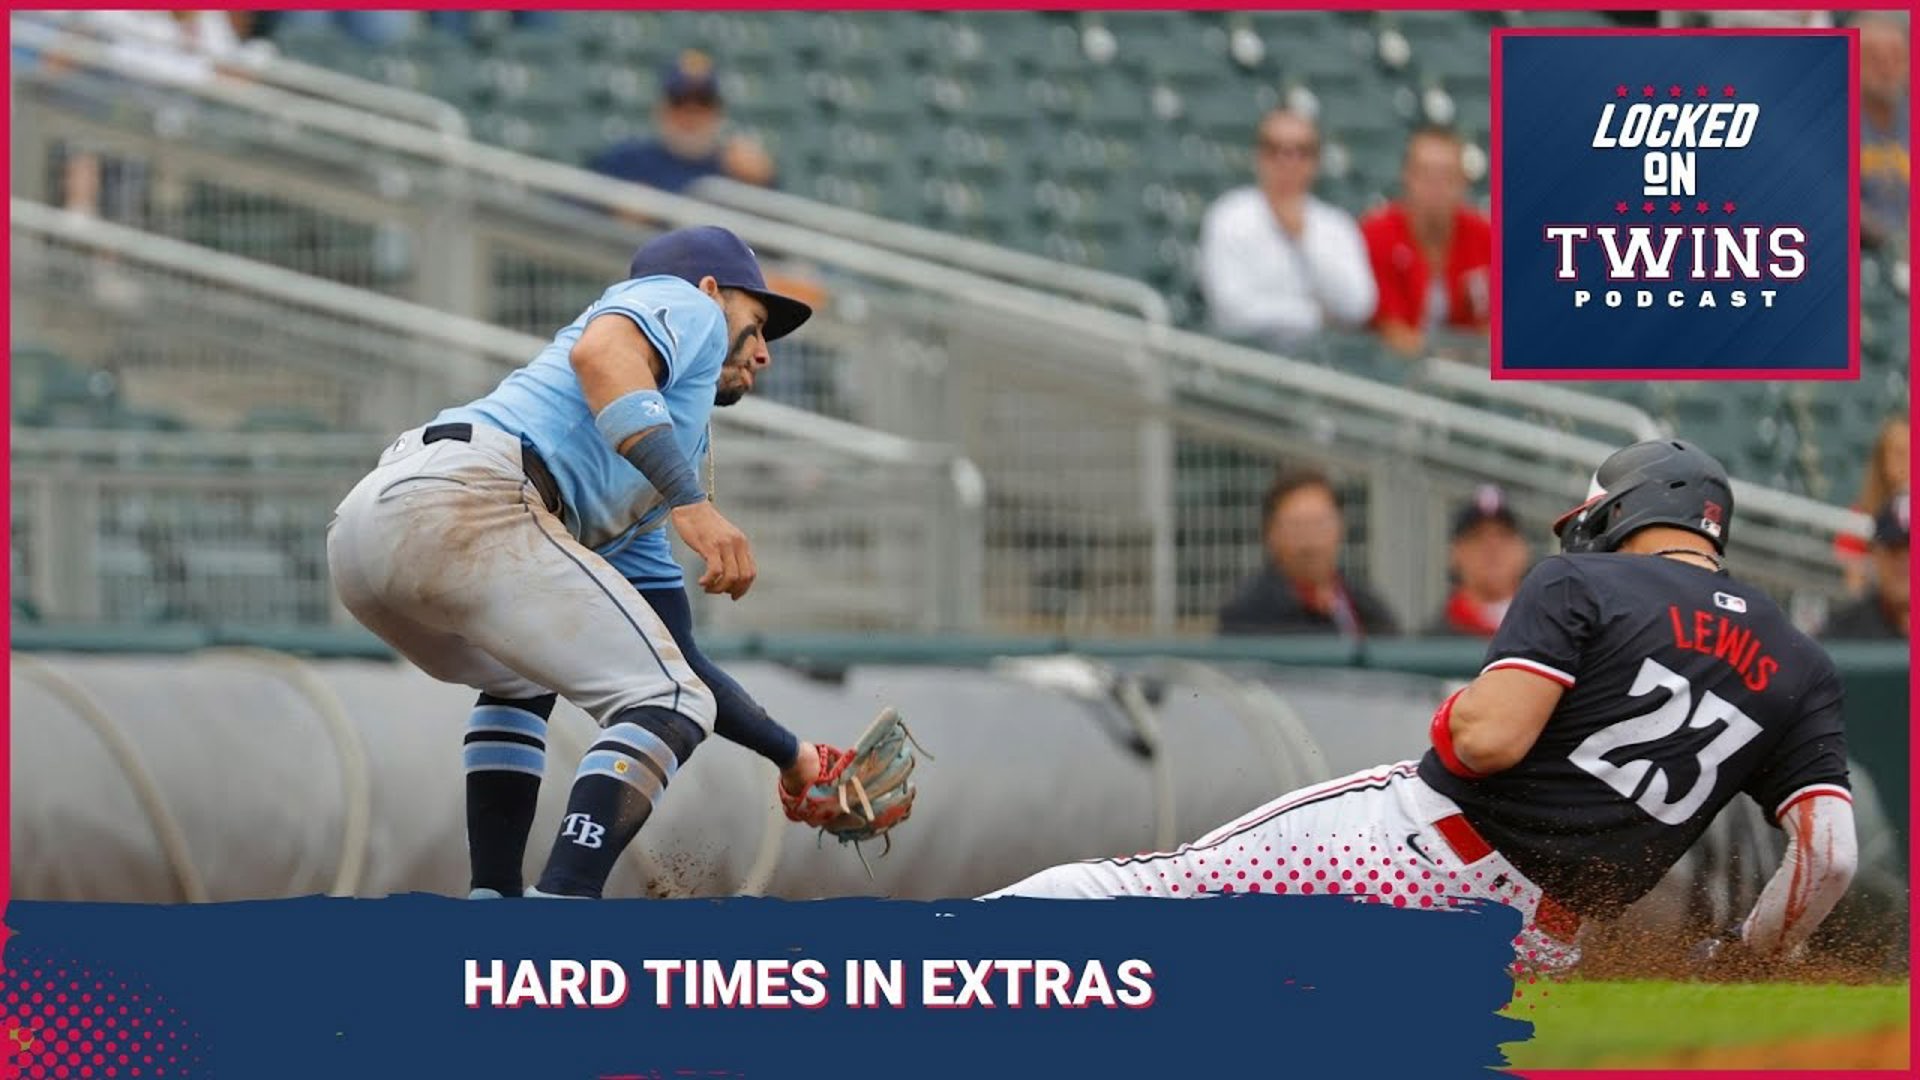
1462, 744
616, 368
1484, 743
1819, 865
1491, 725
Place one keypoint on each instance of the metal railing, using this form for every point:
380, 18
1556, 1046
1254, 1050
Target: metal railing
1122, 462
43, 31
1478, 382
852, 527
991, 260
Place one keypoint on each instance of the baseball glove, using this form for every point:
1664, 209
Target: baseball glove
862, 793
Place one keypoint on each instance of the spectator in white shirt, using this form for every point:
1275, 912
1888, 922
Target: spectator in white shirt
175, 46
1277, 264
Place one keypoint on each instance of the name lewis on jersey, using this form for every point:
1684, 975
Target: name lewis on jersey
1715, 635
1676, 238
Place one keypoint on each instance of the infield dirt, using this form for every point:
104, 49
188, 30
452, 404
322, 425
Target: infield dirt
1885, 1049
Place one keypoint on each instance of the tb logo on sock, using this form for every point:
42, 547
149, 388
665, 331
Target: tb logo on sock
581, 830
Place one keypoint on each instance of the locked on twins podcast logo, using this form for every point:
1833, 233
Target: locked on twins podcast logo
1678, 205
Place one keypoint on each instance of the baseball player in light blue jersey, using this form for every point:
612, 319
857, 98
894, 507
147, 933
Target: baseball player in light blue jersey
479, 548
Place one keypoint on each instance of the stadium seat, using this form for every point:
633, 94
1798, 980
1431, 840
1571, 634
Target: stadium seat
240, 581
1560, 17
1299, 30
1055, 46
1228, 108
40, 375
127, 574
56, 393
1444, 44
323, 46
1097, 137
292, 418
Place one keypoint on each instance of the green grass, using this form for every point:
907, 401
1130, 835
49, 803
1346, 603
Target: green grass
1577, 1023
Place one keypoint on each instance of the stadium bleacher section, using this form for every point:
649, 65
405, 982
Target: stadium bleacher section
1090, 138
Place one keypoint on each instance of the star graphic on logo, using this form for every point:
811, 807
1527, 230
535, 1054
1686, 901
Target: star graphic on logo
1674, 208
1702, 206
1647, 90
1727, 207
1727, 90
1702, 91
1675, 90
1646, 208
1620, 207
1621, 90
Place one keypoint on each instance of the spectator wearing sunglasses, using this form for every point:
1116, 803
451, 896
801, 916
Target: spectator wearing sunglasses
1278, 265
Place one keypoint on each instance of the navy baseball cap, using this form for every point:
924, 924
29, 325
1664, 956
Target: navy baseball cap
711, 251
690, 77
1488, 503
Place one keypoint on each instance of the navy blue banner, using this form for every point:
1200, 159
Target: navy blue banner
1231, 986
1676, 204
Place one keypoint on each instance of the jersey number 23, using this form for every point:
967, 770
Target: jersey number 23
1678, 714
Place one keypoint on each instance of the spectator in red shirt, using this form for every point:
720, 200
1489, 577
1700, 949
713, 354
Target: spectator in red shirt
1431, 252
1488, 558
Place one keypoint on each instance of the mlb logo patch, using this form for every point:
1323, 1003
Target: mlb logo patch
1676, 204
1730, 602
1710, 516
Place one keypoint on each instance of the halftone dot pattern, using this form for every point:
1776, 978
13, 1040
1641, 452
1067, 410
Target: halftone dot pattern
63, 1019
1370, 837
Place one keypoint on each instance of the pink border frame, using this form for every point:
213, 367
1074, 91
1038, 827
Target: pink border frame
1849, 373
1913, 852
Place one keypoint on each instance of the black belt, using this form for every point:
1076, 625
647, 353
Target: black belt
530, 462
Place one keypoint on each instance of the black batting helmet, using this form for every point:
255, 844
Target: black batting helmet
1657, 482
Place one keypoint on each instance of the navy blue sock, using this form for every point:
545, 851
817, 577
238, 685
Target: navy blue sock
738, 717
506, 754
620, 779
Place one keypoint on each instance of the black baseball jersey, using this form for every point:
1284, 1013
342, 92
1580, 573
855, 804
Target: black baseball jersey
1684, 688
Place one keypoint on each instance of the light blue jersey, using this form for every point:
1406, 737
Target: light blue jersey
647, 561
609, 504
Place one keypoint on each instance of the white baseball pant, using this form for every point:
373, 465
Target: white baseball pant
447, 552
1380, 835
